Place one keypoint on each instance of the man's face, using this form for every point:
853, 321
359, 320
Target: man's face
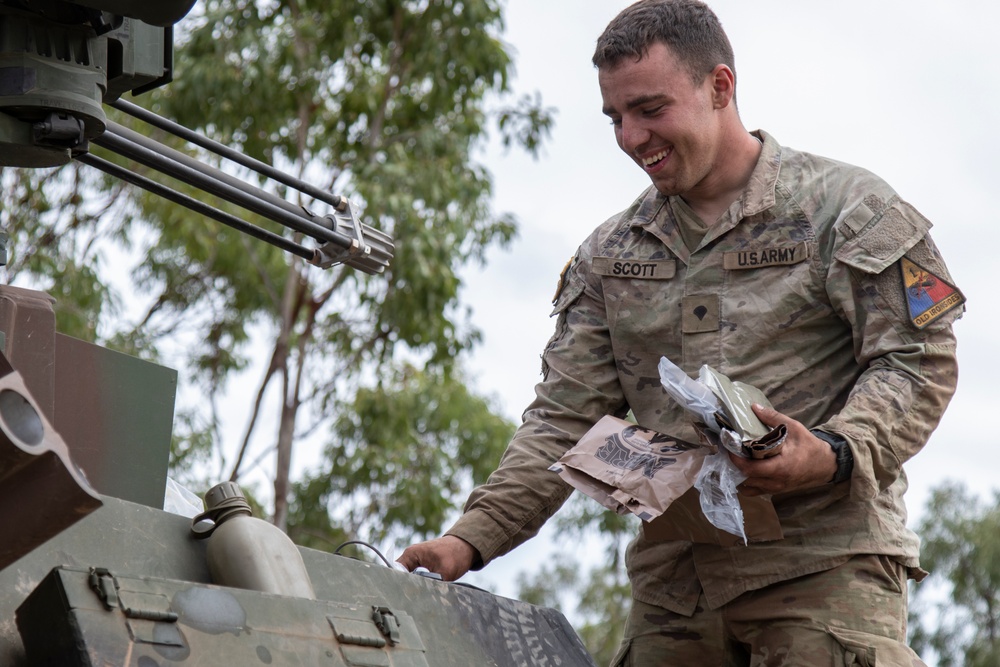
664, 121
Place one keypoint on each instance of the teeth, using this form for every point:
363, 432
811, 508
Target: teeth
654, 158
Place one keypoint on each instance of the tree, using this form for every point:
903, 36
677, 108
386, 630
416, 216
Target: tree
385, 101
956, 611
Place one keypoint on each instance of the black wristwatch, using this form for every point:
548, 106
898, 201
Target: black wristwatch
845, 459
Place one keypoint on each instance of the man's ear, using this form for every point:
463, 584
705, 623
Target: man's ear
723, 82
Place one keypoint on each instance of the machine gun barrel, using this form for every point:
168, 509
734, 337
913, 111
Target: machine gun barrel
193, 137
343, 238
197, 206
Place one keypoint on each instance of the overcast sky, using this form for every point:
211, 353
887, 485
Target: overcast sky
908, 89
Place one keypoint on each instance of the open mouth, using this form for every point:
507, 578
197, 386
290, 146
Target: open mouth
654, 159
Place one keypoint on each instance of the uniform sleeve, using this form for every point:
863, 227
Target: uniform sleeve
579, 386
889, 282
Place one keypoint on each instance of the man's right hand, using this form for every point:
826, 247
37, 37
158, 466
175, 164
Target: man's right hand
449, 556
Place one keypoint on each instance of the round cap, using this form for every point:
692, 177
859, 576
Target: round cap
225, 495
222, 501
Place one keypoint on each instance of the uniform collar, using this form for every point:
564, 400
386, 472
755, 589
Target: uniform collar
759, 195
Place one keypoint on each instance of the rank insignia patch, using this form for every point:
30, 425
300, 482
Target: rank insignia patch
928, 297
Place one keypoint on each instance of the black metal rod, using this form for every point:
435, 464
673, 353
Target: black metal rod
197, 206
193, 137
212, 180
215, 174
341, 236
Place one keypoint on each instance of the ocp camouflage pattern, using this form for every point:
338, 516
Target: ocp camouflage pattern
796, 291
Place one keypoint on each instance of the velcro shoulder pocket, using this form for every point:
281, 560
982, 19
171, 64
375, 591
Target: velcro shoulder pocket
884, 239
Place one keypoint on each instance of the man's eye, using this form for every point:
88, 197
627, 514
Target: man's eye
652, 111
616, 122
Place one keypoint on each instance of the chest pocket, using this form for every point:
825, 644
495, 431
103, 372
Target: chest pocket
771, 291
642, 302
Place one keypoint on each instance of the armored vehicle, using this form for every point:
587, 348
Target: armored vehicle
92, 570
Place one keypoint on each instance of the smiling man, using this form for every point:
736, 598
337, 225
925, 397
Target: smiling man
685, 134
805, 277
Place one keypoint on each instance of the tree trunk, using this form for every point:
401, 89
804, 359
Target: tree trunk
286, 431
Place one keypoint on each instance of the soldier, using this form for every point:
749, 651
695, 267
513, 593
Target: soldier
807, 278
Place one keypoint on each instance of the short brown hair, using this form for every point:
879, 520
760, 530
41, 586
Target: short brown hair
688, 27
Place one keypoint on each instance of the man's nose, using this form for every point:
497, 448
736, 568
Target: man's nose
632, 135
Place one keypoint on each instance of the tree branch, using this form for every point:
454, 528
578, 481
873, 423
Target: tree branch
258, 402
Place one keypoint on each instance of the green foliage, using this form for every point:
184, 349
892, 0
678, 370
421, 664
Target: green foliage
581, 514
961, 547
527, 123
384, 101
404, 456
381, 101
190, 450
54, 242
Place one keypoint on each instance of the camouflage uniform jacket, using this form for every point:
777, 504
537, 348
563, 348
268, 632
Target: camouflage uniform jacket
821, 287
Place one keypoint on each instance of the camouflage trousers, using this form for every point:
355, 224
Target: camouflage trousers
852, 615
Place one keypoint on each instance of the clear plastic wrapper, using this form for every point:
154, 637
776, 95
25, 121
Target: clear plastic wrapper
736, 399
690, 394
725, 409
724, 412
179, 500
682, 490
716, 484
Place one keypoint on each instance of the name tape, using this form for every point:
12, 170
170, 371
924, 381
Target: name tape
761, 257
662, 269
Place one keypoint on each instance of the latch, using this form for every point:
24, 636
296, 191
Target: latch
106, 587
387, 623
376, 636
103, 583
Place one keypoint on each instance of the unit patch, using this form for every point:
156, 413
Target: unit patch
562, 280
615, 267
761, 257
928, 296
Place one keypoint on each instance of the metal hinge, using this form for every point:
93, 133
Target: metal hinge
387, 623
104, 584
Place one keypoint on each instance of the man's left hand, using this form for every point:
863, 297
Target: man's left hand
804, 462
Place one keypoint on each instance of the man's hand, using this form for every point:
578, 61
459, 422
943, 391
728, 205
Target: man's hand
805, 461
449, 556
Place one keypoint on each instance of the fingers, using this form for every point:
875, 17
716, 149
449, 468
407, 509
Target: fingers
804, 461
769, 416
747, 490
449, 556
410, 558
762, 475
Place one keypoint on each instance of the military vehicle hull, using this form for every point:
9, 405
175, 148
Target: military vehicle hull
93, 573
54, 609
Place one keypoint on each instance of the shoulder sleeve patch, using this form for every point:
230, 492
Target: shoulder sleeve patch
928, 296
894, 259
571, 286
562, 280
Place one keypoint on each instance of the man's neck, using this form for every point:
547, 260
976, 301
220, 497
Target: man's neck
729, 181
